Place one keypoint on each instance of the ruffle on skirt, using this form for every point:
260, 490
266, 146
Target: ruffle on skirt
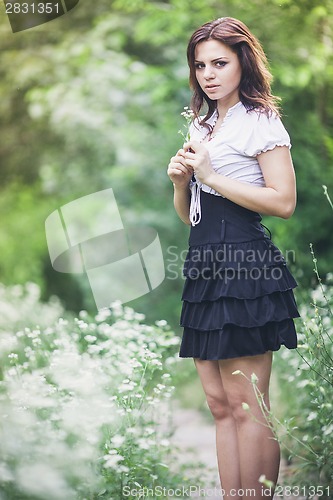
238, 297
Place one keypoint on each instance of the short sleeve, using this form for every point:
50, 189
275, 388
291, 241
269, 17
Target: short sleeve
267, 132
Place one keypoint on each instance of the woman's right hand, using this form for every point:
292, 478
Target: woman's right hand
178, 172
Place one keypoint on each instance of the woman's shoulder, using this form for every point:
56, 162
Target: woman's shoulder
264, 131
258, 116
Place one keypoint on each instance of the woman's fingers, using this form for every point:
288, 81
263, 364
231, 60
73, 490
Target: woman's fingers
179, 170
179, 163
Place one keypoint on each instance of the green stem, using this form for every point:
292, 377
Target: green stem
327, 196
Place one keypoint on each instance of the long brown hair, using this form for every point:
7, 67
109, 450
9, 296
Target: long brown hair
255, 86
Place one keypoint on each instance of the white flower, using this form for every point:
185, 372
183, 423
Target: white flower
161, 323
156, 362
123, 468
90, 338
112, 459
188, 114
13, 355
102, 315
145, 444
117, 440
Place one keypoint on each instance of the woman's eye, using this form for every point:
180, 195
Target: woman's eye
199, 66
220, 64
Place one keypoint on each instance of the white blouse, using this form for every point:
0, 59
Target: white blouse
234, 148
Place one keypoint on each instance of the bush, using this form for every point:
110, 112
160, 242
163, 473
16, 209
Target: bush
81, 400
306, 383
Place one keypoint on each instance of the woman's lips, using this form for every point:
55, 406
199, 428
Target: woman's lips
211, 88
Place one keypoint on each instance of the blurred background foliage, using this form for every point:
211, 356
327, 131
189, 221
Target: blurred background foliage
92, 100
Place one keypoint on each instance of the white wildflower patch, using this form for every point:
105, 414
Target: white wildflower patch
36, 478
80, 396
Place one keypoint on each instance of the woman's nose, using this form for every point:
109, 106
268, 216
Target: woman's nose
209, 73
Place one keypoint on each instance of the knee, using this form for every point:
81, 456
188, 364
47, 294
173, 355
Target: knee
241, 411
219, 407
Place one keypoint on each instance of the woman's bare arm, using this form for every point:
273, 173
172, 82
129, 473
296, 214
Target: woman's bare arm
277, 198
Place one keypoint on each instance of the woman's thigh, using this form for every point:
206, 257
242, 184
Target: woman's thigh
239, 387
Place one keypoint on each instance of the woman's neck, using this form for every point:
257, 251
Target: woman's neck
224, 105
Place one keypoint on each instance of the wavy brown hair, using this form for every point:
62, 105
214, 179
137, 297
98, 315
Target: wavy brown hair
255, 86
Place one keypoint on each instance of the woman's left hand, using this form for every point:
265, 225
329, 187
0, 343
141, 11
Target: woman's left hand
197, 157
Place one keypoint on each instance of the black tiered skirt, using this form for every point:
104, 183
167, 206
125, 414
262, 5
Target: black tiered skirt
238, 295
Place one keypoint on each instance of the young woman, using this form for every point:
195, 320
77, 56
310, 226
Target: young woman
238, 302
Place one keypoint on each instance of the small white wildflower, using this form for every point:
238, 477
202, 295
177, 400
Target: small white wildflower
145, 444
245, 406
117, 440
94, 349
156, 362
161, 323
262, 479
123, 468
90, 338
112, 459
328, 430
254, 378
103, 314
188, 114
139, 316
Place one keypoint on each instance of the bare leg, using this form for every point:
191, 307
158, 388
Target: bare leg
259, 452
226, 431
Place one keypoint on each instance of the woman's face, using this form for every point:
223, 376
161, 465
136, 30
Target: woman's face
218, 71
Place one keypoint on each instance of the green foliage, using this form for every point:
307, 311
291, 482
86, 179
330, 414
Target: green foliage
310, 428
308, 406
94, 101
82, 400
